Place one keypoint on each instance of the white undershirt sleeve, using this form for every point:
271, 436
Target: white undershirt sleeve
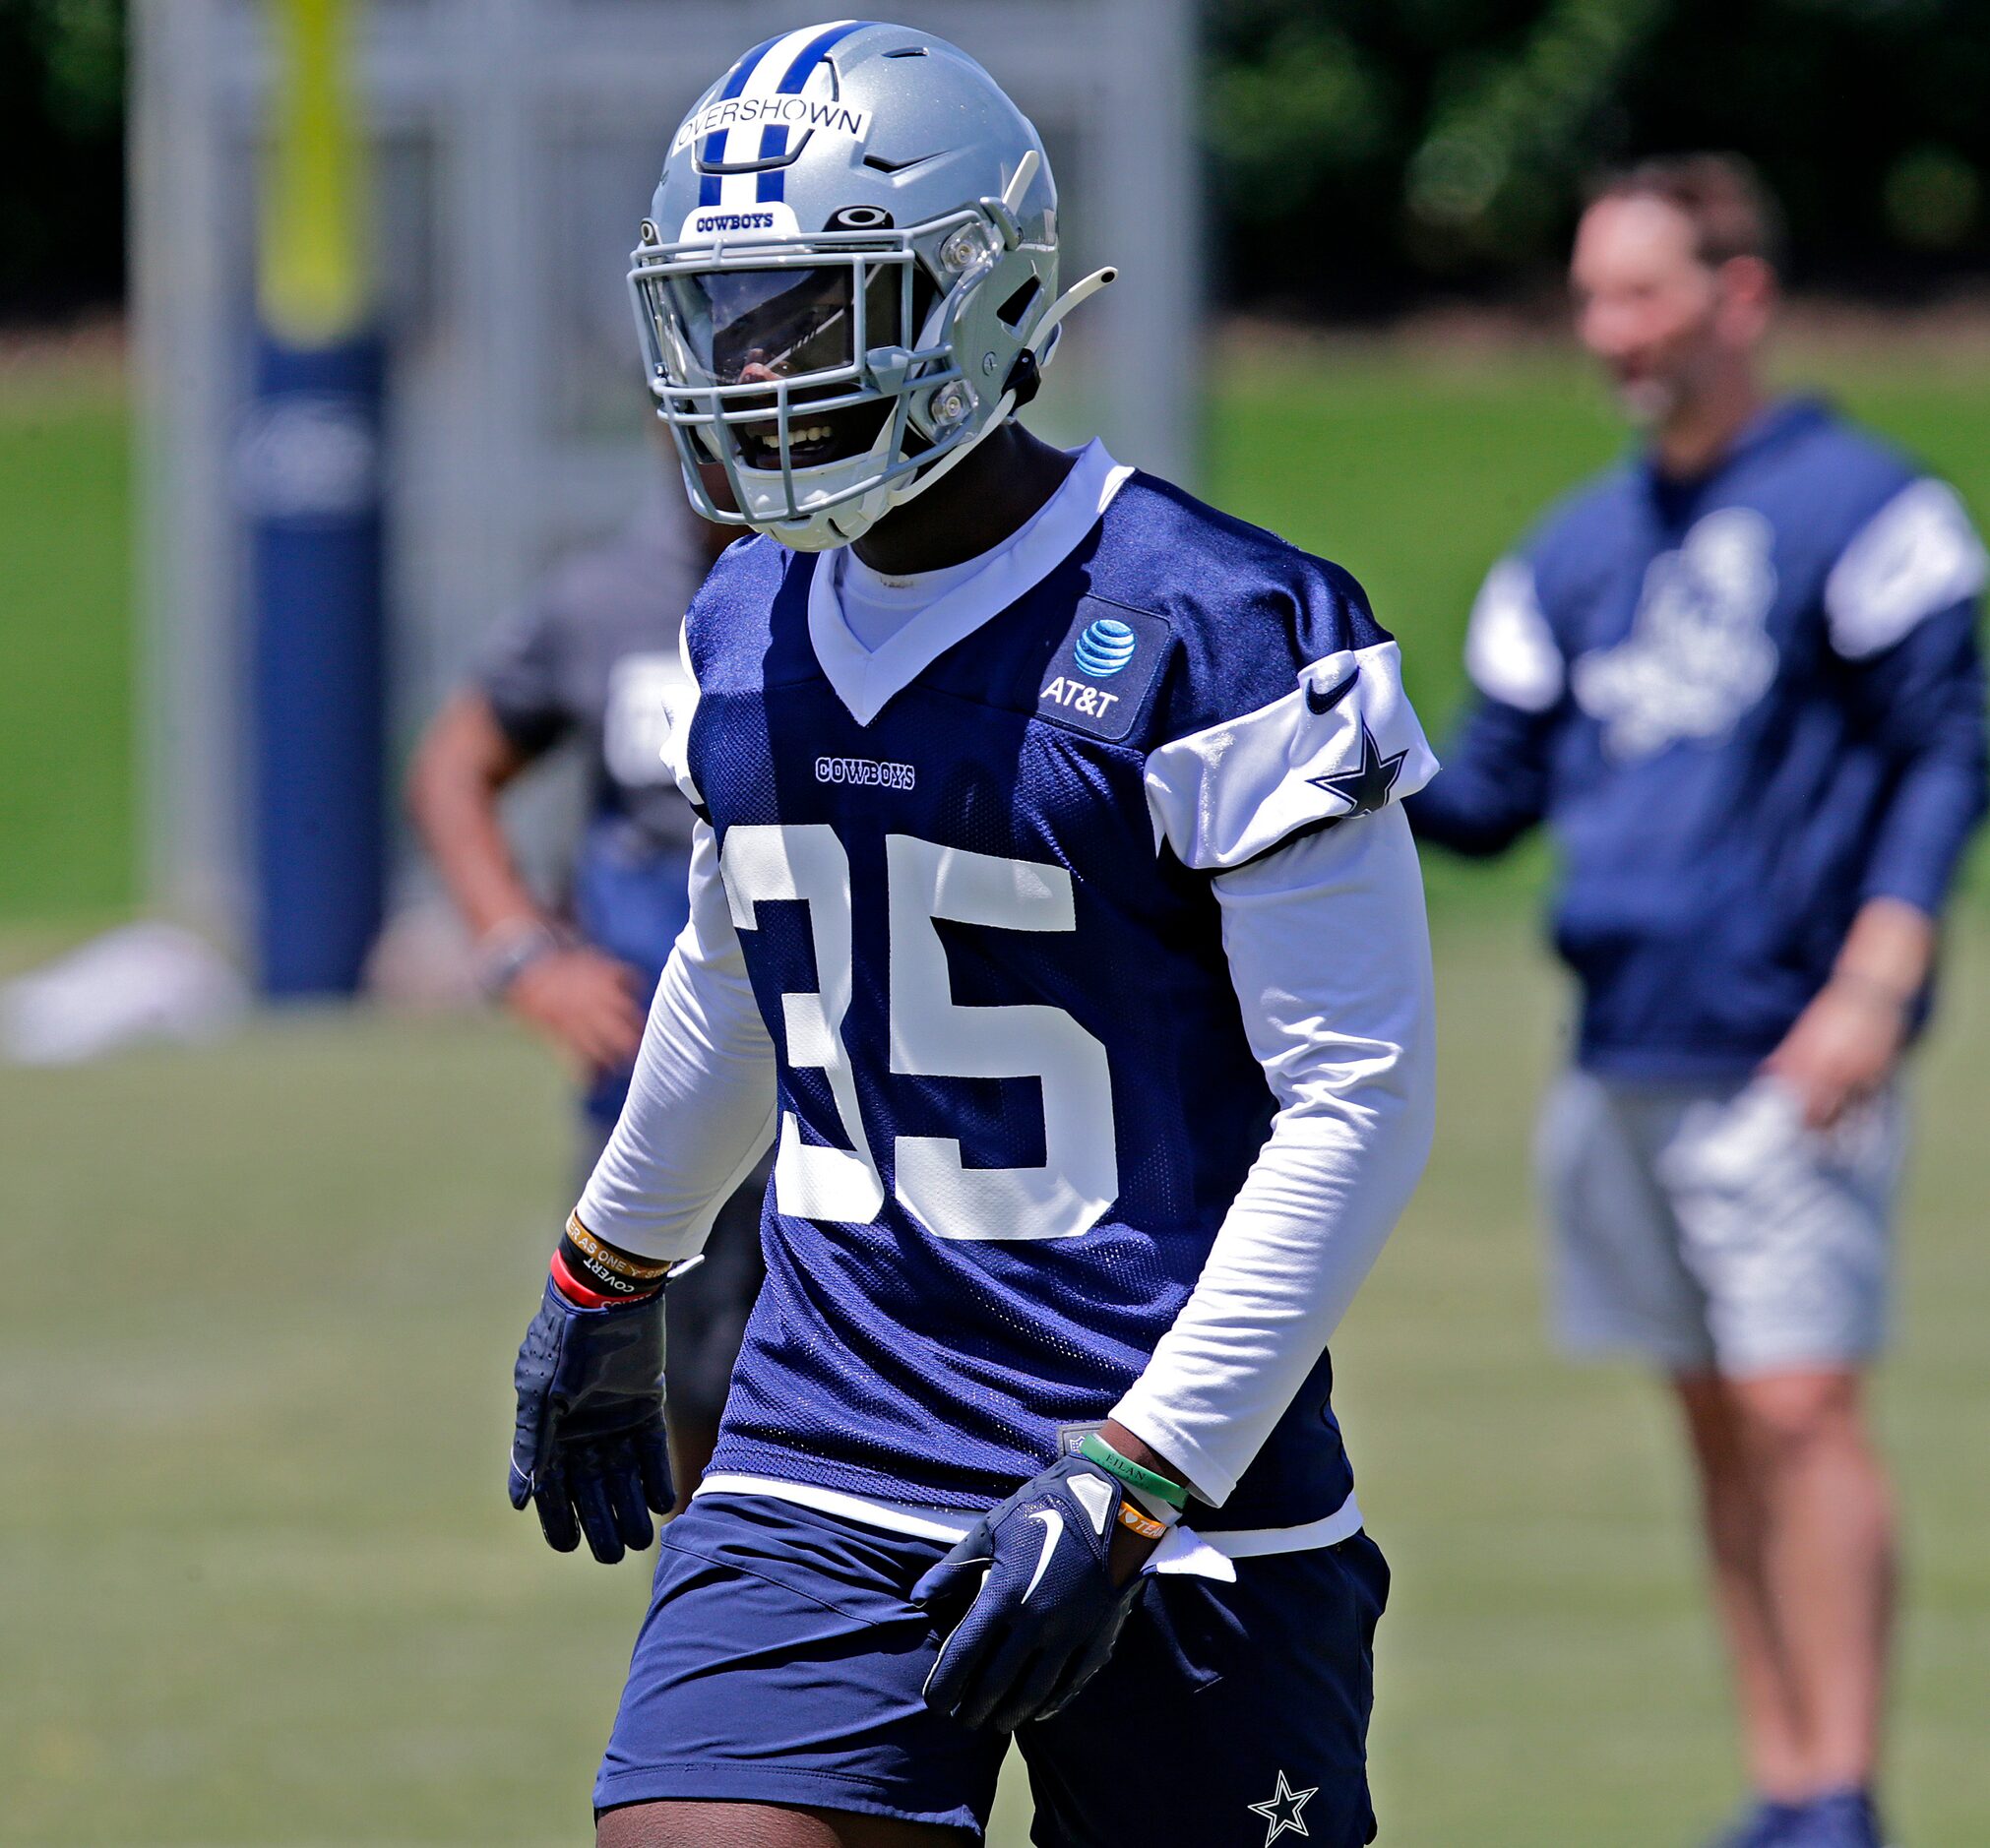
701, 1107
1330, 956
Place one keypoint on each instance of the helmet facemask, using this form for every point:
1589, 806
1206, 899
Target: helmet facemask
835, 375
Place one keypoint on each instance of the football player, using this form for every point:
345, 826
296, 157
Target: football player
1738, 677
1054, 914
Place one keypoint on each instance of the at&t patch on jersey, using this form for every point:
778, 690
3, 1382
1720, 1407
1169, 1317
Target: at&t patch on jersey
1099, 676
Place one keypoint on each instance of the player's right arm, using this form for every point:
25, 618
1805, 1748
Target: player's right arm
588, 1449
588, 1452
1493, 788
701, 1109
701, 1105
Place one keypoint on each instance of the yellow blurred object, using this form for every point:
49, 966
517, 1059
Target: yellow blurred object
312, 282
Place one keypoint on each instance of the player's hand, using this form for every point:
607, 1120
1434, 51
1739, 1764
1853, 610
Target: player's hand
590, 1450
1036, 1596
584, 1001
1843, 1048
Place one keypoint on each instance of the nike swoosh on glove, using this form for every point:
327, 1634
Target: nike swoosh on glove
1040, 1610
590, 1450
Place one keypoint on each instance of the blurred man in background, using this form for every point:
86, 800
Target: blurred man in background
595, 662
1739, 678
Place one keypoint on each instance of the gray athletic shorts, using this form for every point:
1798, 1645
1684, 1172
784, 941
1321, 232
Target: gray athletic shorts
1705, 1226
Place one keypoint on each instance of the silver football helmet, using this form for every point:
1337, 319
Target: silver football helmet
848, 277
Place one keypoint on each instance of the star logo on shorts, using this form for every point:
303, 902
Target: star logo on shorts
1281, 1810
1365, 787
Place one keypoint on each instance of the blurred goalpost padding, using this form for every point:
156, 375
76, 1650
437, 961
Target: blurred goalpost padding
309, 474
474, 208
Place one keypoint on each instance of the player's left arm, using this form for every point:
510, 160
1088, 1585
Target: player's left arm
1295, 808
1330, 956
1903, 609
1292, 806
1330, 960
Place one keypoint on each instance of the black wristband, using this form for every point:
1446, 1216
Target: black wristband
599, 1265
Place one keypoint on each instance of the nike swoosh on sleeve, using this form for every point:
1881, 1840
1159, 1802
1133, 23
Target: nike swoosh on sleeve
1053, 1531
1318, 702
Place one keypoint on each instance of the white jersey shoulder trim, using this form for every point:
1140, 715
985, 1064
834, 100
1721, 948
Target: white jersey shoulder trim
1510, 651
1917, 557
1344, 742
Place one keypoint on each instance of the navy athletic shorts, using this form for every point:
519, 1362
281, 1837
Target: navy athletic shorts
781, 1663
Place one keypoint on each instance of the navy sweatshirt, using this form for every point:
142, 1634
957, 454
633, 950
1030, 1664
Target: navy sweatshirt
1744, 704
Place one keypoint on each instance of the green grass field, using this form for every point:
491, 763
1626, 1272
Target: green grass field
66, 791
258, 1584
258, 1587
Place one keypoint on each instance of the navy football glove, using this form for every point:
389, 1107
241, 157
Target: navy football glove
591, 1449
1042, 1612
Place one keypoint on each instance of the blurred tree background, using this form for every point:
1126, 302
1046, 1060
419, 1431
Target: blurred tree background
61, 155
1363, 154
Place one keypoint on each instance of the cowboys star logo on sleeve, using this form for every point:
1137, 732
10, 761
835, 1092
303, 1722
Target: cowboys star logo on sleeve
1366, 786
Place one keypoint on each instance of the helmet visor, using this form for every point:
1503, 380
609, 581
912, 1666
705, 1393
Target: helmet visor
762, 325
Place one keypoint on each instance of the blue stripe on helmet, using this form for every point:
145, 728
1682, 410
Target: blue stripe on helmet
813, 53
774, 140
736, 80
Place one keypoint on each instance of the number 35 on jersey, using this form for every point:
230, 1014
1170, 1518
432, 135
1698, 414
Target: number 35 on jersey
931, 1036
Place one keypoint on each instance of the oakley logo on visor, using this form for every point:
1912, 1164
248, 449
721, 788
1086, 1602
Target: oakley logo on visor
859, 218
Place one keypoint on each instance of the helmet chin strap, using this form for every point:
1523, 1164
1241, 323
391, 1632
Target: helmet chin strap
865, 515
840, 526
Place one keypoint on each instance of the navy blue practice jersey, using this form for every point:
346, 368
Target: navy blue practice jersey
1014, 1090
1745, 703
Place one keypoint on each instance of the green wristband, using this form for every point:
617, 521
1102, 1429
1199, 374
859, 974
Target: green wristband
1096, 1450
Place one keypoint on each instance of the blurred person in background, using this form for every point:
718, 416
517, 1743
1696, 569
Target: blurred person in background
1738, 678
593, 664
